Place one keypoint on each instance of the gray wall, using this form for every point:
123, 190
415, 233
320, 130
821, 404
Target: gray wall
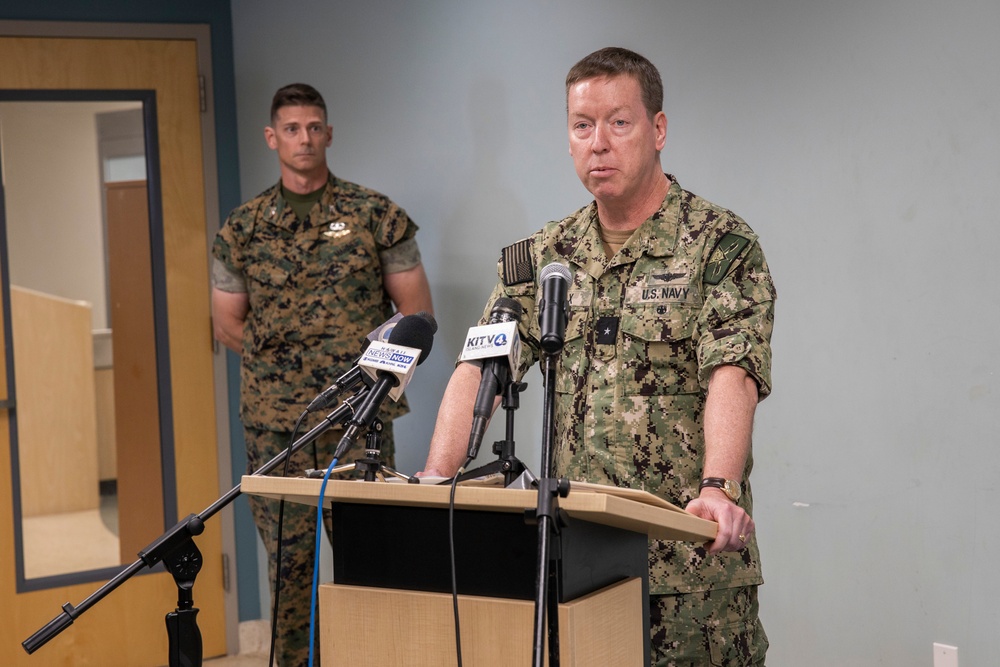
859, 141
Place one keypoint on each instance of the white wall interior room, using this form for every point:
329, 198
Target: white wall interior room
859, 140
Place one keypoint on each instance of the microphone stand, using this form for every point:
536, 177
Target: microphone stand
371, 464
181, 557
507, 463
550, 518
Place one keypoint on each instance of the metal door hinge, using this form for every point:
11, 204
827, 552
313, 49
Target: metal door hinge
225, 573
202, 94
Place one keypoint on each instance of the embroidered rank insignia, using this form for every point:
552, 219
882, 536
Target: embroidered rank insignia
516, 265
722, 258
607, 330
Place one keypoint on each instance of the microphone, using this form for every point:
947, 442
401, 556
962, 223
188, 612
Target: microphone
552, 308
351, 378
432, 323
499, 347
391, 365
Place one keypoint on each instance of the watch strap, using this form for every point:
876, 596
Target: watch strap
732, 488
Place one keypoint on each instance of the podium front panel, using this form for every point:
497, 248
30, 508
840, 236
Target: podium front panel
407, 548
416, 629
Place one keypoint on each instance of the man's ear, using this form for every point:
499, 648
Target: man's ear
660, 123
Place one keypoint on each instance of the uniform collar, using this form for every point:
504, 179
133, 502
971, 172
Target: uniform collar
656, 237
278, 214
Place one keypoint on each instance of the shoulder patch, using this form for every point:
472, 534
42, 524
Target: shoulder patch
725, 253
515, 263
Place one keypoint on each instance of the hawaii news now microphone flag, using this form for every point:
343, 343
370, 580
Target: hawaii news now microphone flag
398, 360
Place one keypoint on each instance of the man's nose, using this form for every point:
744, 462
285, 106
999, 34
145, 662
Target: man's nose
599, 140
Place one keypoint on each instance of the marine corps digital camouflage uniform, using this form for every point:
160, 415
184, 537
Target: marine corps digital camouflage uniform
690, 290
315, 291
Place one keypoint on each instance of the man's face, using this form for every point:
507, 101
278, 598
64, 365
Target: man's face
301, 136
614, 143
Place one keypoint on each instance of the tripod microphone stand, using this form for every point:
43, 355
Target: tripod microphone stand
184, 637
507, 463
370, 465
182, 558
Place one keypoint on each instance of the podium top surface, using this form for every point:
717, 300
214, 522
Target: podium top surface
630, 509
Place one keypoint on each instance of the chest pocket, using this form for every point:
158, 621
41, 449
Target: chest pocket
341, 282
269, 275
659, 355
572, 361
270, 300
334, 260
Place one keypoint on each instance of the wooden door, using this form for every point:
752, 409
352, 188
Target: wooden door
127, 627
135, 391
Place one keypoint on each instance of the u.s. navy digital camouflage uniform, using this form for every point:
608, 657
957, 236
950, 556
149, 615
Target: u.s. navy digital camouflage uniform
315, 291
690, 290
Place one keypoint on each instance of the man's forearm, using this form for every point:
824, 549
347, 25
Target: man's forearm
230, 335
729, 411
449, 443
229, 311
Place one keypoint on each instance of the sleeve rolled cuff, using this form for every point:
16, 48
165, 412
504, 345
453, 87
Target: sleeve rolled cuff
737, 349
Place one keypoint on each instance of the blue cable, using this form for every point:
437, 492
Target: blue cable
315, 582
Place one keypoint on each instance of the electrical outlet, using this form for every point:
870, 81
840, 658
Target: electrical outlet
945, 656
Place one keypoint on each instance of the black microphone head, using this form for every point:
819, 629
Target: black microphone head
415, 331
430, 320
506, 310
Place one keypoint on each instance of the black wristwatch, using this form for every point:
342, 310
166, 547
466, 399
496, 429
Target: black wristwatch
731, 487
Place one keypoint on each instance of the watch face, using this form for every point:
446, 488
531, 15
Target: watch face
732, 489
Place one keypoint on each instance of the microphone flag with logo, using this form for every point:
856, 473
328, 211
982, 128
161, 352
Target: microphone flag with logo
391, 365
498, 347
351, 378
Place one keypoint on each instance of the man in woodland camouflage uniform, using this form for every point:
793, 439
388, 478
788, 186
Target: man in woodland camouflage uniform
302, 273
666, 356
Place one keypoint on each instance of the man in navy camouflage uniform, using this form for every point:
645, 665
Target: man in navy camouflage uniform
666, 356
302, 273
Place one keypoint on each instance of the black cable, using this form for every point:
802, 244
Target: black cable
451, 546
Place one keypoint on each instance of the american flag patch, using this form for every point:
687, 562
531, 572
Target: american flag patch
515, 263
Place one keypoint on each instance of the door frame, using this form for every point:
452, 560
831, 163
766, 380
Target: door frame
201, 35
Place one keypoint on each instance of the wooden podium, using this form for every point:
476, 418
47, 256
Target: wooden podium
390, 601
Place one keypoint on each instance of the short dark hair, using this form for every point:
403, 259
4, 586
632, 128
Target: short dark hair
615, 61
297, 95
